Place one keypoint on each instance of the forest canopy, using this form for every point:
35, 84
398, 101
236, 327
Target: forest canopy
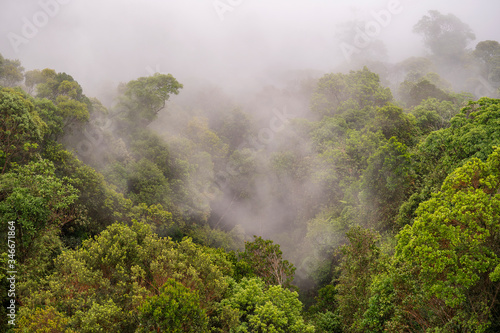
368, 202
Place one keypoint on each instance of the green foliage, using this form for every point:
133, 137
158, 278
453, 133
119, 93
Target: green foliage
52, 117
353, 162
325, 233
20, 131
326, 300
73, 107
147, 184
36, 199
32, 79
99, 318
327, 322
109, 278
175, 309
337, 93
445, 35
385, 182
99, 205
205, 139
446, 260
413, 93
43, 320
266, 310
264, 260
359, 263
391, 120
381, 305
235, 127
488, 54
146, 96
11, 72
432, 115
473, 133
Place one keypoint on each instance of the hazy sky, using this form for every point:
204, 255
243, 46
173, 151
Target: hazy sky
119, 40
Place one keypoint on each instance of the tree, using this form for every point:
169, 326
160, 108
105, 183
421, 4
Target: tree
146, 96
488, 54
445, 35
432, 114
73, 107
266, 309
110, 277
358, 266
472, 133
385, 182
446, 264
337, 93
324, 315
176, 309
264, 259
393, 122
46, 320
36, 199
11, 72
20, 128
412, 93
32, 79
147, 184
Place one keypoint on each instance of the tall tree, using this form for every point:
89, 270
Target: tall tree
21, 128
445, 35
146, 96
447, 264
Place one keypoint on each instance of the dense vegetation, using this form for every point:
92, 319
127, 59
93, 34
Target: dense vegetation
383, 195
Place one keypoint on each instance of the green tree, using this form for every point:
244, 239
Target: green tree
432, 114
108, 279
32, 79
488, 55
472, 133
176, 309
146, 96
43, 320
147, 184
20, 128
11, 72
391, 120
360, 262
385, 183
447, 262
266, 310
413, 93
324, 313
337, 93
263, 258
73, 107
445, 35
36, 199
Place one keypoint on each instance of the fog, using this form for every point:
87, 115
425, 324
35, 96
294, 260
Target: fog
240, 46
228, 54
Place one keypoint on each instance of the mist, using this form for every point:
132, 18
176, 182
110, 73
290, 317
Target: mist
240, 47
260, 57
